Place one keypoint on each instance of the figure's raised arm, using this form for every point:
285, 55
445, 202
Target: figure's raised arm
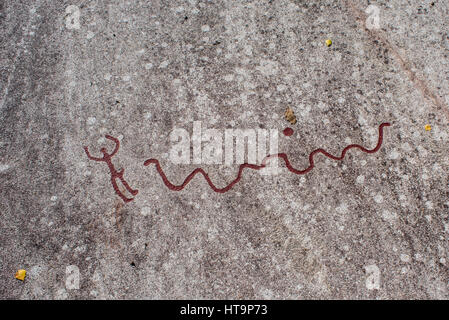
117, 144
90, 157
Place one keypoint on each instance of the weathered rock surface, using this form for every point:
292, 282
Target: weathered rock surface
370, 226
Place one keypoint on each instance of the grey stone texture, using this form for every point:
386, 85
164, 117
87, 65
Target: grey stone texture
373, 226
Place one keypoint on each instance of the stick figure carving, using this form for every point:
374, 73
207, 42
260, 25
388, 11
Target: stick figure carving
114, 173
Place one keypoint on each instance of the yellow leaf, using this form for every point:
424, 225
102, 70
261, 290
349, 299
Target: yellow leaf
290, 116
20, 274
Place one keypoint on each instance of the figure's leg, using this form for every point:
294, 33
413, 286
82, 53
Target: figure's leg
117, 190
131, 190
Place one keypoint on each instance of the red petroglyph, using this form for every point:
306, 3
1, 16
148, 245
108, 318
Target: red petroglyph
287, 132
114, 173
119, 174
284, 157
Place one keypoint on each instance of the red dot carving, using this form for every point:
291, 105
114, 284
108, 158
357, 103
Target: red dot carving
288, 132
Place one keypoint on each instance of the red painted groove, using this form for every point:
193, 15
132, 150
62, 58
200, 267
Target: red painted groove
288, 132
173, 187
114, 173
